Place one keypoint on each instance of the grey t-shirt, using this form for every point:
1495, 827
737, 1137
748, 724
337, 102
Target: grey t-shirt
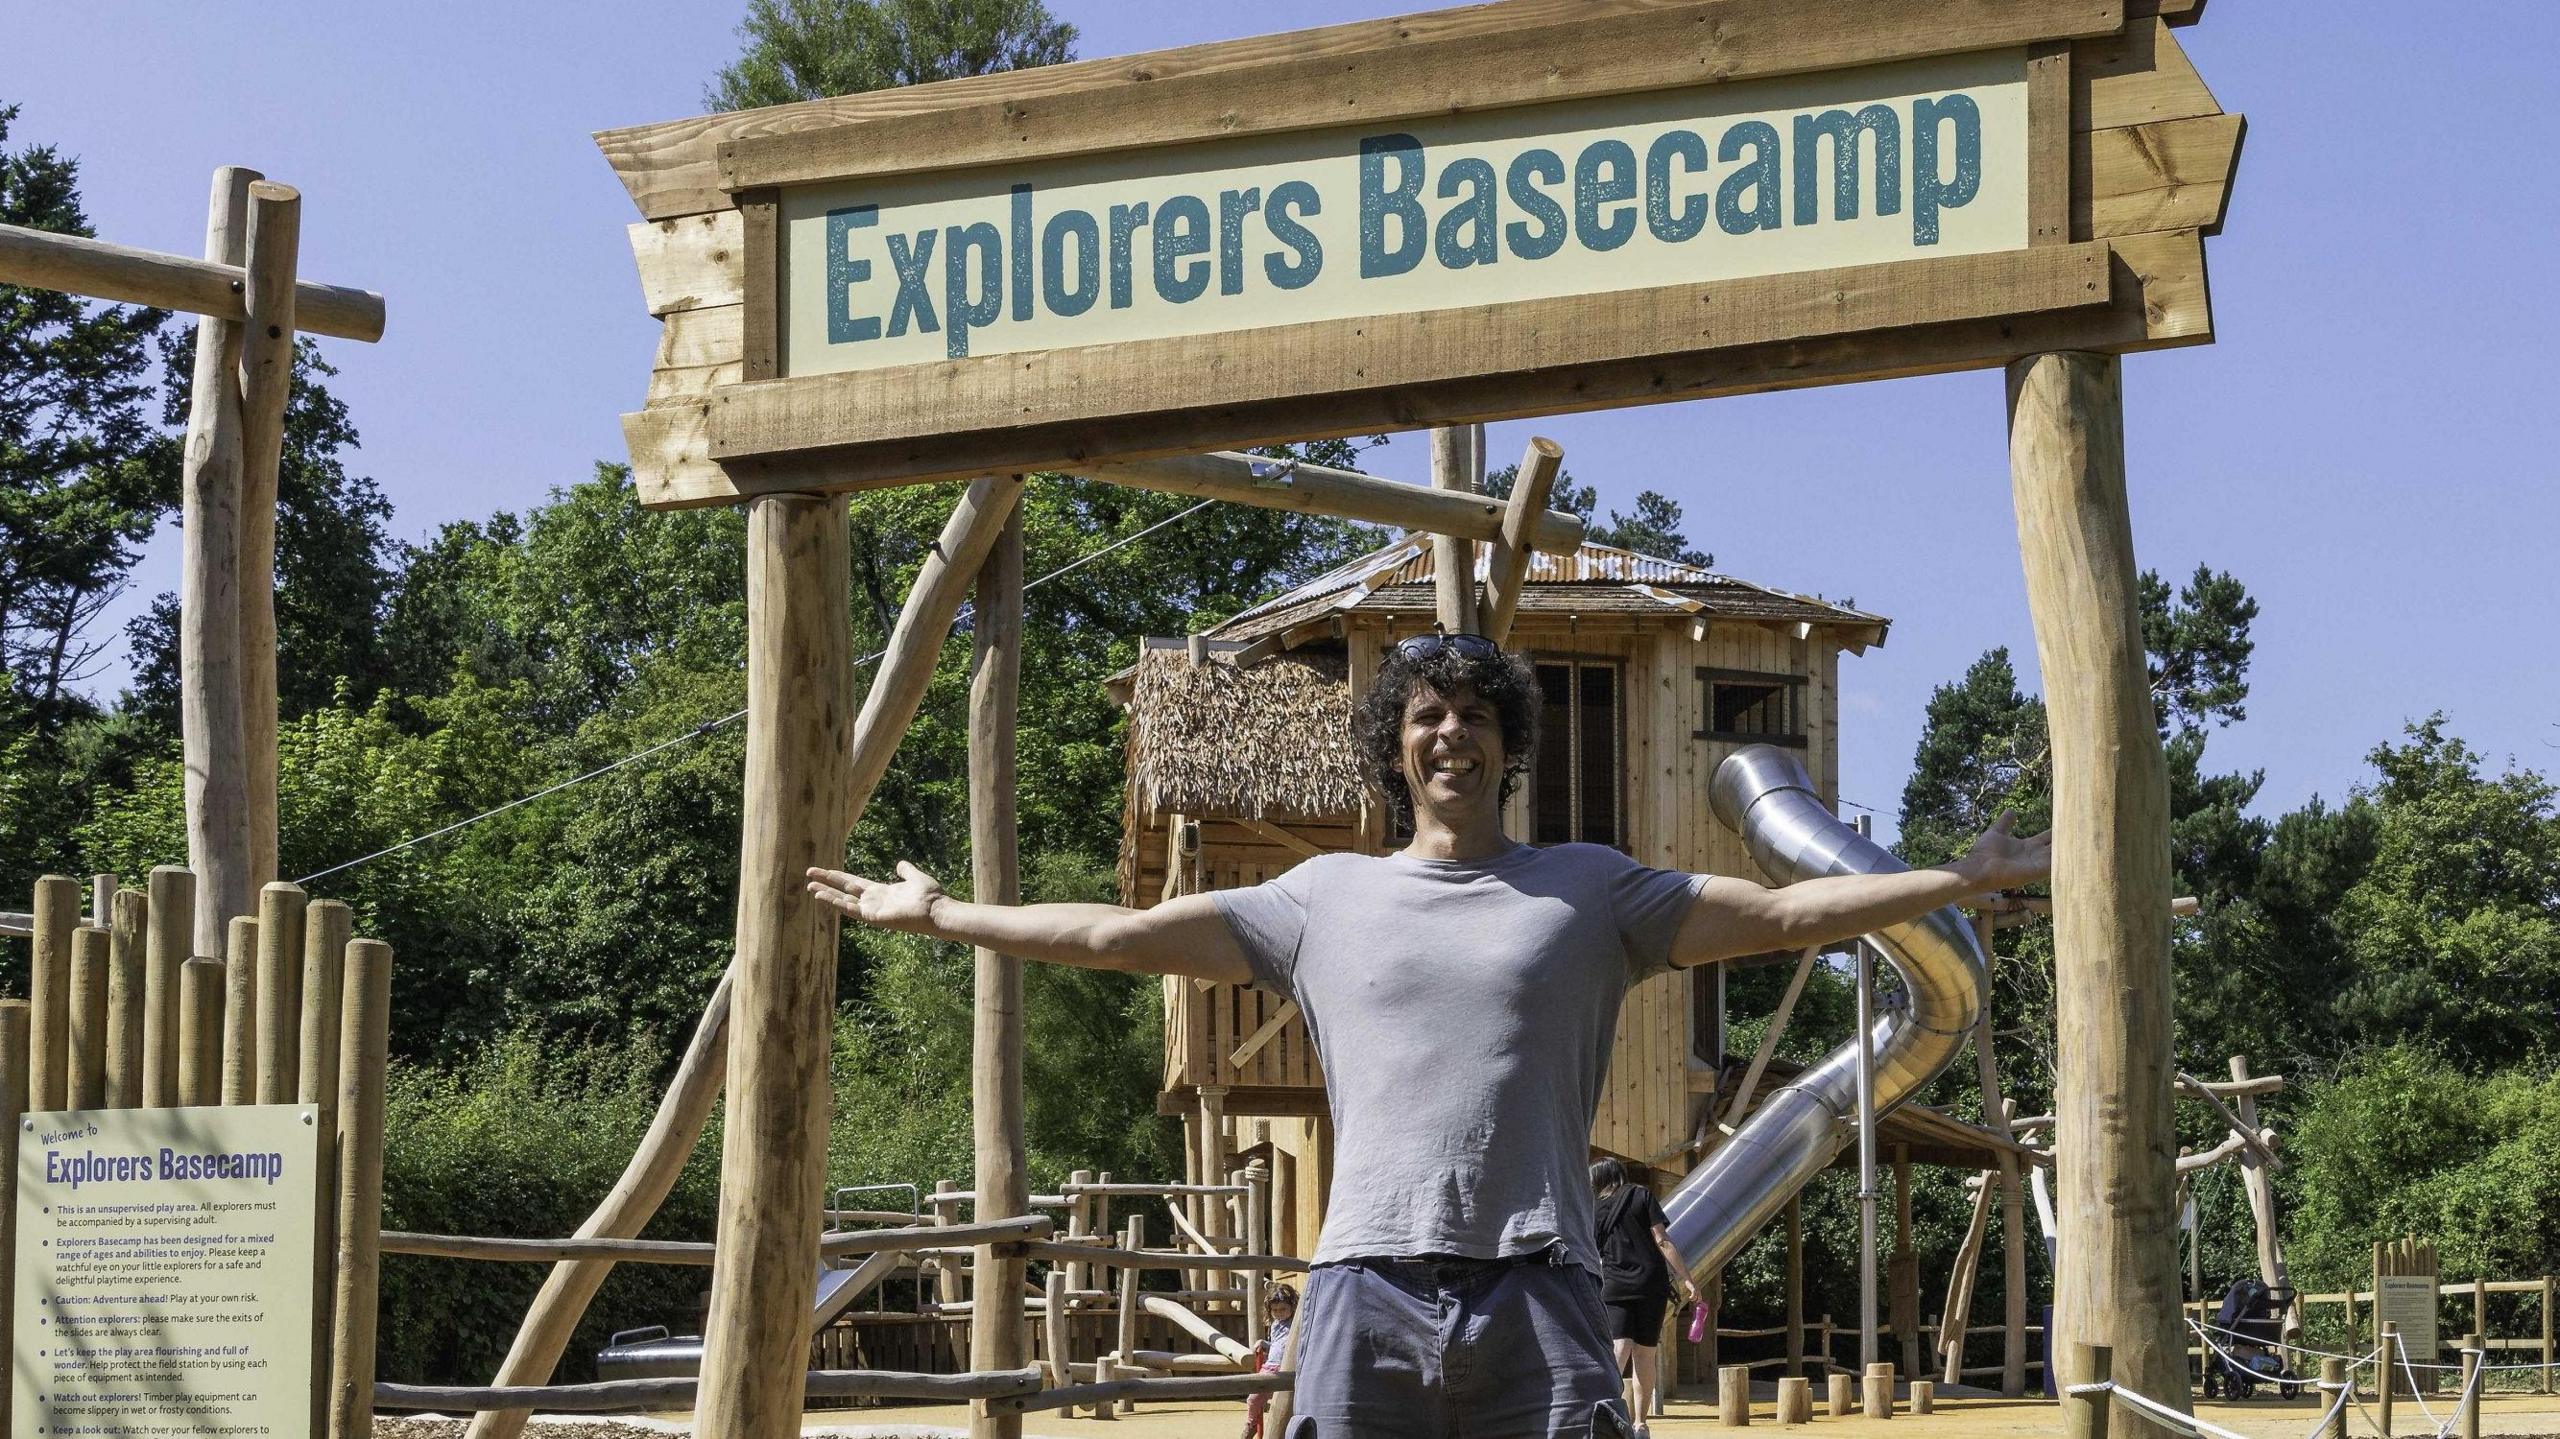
1464, 1012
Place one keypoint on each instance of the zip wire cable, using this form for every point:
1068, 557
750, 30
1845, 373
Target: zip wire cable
707, 726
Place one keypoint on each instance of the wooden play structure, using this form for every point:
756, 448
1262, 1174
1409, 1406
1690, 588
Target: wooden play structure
1829, 191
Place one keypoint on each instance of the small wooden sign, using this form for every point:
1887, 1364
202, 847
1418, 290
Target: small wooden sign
2409, 1301
1513, 209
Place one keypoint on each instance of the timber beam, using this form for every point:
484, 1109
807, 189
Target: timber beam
77, 265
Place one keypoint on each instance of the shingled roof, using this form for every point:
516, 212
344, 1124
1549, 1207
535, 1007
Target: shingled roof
1593, 579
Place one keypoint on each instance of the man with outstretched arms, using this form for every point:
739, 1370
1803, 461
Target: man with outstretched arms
1462, 994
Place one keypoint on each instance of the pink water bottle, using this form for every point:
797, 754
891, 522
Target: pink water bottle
1697, 1322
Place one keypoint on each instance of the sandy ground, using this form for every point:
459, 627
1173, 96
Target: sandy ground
2505, 1415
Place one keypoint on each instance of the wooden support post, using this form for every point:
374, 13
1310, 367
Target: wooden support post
280, 941
2084, 1416
57, 915
1213, 1170
168, 942
799, 805
1795, 1285
240, 1012
2260, 1185
1507, 571
995, 1075
2386, 1379
1960, 1277
1924, 1396
364, 1050
2333, 1382
89, 965
266, 383
1837, 1396
897, 688
127, 969
1079, 1227
1733, 1397
2475, 1353
16, 1027
327, 926
1457, 466
1257, 1236
1903, 1271
2550, 1291
1053, 1315
102, 900
1997, 1111
1878, 1391
212, 720
200, 1032
2116, 1136
1125, 1341
1795, 1399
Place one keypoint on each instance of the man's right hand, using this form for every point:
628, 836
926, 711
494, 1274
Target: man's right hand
905, 904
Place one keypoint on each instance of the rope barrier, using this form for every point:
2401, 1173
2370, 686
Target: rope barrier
2352, 1359
707, 726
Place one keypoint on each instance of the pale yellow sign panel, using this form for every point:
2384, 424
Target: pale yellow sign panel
2409, 1301
166, 1272
1893, 162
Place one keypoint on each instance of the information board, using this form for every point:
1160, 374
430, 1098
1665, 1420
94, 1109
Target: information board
166, 1272
2409, 1301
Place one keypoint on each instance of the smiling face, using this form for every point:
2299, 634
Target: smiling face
1452, 755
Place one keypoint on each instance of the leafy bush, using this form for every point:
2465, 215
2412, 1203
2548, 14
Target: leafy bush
517, 1142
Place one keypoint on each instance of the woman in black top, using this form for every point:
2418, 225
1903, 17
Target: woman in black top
1639, 1273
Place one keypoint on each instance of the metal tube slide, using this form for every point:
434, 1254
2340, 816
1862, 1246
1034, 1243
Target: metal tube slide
1763, 794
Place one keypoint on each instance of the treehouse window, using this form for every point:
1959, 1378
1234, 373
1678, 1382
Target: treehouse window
1747, 707
1577, 790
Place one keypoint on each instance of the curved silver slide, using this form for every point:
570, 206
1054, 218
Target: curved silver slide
1764, 794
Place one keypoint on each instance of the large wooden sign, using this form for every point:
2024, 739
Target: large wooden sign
166, 1271
1514, 209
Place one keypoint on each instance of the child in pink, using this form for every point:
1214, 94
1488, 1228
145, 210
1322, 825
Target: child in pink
1282, 1302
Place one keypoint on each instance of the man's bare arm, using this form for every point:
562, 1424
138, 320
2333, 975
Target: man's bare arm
1186, 936
1733, 917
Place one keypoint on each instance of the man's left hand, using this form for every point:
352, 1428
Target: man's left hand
2004, 859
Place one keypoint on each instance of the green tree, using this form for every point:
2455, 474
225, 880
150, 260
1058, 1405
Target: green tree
2453, 930
812, 49
83, 477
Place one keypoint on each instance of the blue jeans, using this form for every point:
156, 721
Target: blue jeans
1455, 1349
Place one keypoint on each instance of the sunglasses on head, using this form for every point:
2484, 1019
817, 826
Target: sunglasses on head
1424, 647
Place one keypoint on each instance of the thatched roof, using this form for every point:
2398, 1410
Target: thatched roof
1269, 742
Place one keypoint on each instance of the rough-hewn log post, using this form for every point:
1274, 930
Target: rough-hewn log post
240, 1012
1457, 465
266, 382
2116, 1140
798, 808
281, 912
200, 1032
165, 950
1508, 569
128, 945
1795, 1287
364, 1049
57, 915
327, 925
2260, 1186
995, 1083
89, 966
212, 721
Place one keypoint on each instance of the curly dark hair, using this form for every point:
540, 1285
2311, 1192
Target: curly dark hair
1503, 680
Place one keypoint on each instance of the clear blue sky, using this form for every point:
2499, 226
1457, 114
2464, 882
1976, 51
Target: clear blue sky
2369, 447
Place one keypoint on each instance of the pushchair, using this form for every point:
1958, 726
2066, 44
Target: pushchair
2249, 1330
